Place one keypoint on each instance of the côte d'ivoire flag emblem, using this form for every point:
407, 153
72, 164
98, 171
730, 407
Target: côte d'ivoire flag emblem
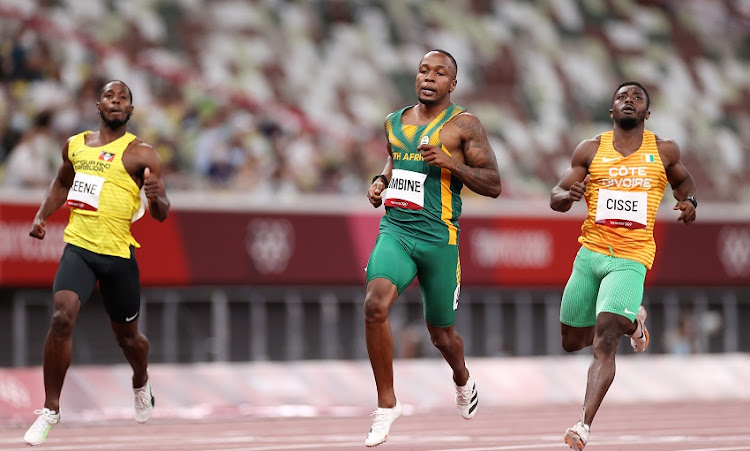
648, 158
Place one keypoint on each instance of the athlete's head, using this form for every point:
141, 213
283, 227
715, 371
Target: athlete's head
436, 77
115, 103
630, 104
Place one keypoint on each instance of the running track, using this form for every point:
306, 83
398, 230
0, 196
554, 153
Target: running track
696, 426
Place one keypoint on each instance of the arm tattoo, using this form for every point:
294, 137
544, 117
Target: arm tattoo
480, 173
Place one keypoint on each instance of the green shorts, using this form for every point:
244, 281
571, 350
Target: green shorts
601, 283
437, 268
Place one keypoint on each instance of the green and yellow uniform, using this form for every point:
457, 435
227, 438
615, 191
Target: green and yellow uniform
419, 231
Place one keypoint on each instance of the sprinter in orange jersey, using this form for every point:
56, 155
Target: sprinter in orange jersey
100, 178
622, 174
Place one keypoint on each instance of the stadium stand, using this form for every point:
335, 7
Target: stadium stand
279, 98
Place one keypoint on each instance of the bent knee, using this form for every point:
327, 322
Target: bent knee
62, 323
376, 309
572, 345
130, 341
443, 338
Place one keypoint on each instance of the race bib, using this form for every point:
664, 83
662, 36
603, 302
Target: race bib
622, 209
406, 190
84, 193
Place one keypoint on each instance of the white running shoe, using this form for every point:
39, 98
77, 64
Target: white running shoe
384, 418
37, 433
467, 399
639, 339
144, 402
577, 436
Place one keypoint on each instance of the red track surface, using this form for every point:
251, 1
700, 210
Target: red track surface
651, 427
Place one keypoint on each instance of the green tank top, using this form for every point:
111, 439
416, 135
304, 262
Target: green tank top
422, 201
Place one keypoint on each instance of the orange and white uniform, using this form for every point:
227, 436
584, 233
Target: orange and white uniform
623, 197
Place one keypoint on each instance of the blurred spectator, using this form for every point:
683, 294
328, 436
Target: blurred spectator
32, 163
682, 340
324, 74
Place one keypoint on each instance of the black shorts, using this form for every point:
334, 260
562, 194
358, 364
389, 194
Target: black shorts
119, 280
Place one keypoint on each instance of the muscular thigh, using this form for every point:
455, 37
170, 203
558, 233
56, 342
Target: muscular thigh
119, 282
439, 275
391, 259
75, 273
578, 306
621, 290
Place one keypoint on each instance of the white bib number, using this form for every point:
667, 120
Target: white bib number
84, 193
406, 190
622, 209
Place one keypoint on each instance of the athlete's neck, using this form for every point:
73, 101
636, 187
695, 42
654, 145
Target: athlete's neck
628, 141
106, 135
424, 114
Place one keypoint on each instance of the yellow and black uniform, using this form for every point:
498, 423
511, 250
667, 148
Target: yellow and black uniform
419, 231
103, 228
617, 236
104, 199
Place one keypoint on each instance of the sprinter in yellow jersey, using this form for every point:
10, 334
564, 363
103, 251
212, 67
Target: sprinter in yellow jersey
434, 148
622, 175
100, 179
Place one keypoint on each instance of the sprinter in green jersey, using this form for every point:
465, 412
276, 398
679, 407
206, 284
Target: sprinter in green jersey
434, 148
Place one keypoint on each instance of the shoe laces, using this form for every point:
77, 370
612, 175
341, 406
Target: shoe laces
380, 423
465, 393
143, 398
45, 419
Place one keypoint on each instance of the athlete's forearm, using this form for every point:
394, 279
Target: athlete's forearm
159, 208
685, 188
53, 199
560, 199
484, 181
388, 168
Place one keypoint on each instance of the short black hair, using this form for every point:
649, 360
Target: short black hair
130, 93
633, 83
445, 52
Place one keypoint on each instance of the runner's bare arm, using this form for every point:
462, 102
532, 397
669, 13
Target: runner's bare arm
149, 170
682, 183
480, 173
572, 185
55, 196
374, 193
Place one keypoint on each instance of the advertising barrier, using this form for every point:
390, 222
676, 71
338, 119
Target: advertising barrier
219, 247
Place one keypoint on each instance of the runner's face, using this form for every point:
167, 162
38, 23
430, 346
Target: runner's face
436, 78
629, 107
114, 105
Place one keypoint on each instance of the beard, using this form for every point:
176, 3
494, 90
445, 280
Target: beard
628, 122
116, 123
428, 102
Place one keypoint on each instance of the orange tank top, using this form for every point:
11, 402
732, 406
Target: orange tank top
623, 197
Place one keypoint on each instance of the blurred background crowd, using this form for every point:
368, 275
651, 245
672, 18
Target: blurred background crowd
279, 98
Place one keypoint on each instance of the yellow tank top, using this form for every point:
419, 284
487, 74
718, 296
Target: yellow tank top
623, 197
103, 198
